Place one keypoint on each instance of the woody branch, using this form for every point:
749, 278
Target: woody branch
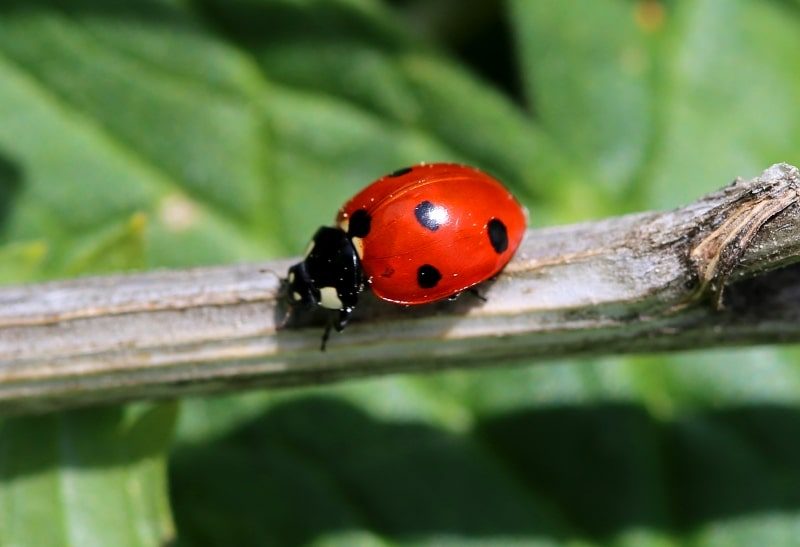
720, 271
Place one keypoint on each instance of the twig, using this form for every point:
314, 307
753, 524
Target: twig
644, 282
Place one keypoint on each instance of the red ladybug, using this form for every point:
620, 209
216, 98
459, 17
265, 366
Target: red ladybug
417, 235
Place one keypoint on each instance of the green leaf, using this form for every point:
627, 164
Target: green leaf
306, 456
116, 248
728, 107
420, 106
21, 261
587, 67
158, 133
86, 478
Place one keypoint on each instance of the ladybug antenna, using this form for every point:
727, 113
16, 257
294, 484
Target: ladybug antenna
271, 271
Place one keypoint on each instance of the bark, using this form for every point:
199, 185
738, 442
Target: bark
720, 271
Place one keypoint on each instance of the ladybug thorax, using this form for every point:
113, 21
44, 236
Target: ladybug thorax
330, 275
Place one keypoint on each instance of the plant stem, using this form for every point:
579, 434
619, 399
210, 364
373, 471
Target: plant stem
638, 283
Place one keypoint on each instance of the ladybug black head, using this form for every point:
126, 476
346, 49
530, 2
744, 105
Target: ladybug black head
329, 276
301, 289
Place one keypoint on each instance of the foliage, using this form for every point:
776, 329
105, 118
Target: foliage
160, 133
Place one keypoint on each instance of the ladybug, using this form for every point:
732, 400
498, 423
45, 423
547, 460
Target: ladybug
418, 235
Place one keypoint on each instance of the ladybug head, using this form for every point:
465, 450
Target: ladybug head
300, 287
329, 276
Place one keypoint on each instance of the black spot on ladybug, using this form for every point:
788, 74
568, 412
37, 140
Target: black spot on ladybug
426, 216
400, 172
498, 235
360, 223
428, 276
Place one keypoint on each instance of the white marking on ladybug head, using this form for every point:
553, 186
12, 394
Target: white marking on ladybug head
329, 298
358, 244
296, 296
344, 224
309, 248
291, 277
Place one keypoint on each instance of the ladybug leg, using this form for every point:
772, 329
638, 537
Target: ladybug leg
338, 323
344, 318
325, 335
476, 293
473, 291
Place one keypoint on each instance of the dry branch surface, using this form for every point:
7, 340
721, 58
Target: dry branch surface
643, 282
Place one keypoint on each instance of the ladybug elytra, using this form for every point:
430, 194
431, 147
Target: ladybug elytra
418, 235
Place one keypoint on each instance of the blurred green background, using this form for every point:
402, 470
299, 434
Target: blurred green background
171, 133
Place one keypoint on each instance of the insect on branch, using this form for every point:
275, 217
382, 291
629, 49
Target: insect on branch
720, 271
